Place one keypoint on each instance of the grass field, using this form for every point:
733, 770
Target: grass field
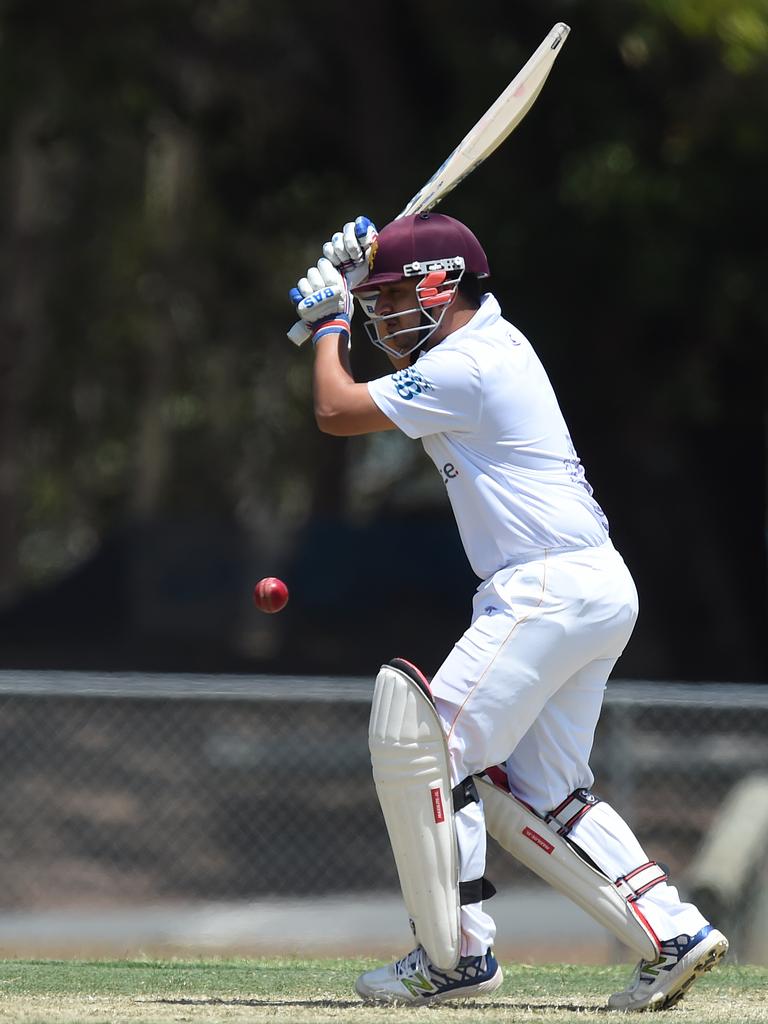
304, 991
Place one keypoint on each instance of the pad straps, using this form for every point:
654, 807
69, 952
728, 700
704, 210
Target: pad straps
566, 814
476, 890
464, 793
637, 883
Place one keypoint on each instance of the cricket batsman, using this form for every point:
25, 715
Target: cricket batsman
500, 739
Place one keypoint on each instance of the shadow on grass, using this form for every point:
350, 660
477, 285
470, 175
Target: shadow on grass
347, 1004
337, 1004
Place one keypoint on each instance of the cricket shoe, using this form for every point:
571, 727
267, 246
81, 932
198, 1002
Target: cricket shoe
415, 980
659, 984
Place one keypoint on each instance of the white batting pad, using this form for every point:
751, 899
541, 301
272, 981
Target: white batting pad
413, 782
528, 838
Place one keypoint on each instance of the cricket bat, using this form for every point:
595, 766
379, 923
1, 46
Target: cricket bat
499, 121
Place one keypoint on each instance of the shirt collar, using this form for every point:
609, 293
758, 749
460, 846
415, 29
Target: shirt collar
487, 315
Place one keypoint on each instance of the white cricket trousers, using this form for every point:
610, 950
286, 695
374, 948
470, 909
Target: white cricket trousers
524, 685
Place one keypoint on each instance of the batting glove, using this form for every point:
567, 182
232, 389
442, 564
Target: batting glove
349, 249
323, 301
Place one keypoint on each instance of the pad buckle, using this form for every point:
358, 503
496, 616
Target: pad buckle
465, 792
563, 818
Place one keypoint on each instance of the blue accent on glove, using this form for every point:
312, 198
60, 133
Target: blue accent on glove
361, 226
295, 296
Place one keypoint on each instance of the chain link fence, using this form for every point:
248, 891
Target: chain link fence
123, 790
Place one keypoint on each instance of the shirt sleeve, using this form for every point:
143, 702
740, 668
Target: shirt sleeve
440, 394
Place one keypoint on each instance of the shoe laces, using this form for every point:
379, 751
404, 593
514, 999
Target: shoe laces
411, 963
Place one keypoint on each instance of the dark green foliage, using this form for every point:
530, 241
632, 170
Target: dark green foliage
171, 167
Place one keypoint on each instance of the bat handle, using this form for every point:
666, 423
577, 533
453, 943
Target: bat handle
299, 333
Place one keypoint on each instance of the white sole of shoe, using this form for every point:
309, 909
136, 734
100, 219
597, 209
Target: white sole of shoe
468, 992
701, 962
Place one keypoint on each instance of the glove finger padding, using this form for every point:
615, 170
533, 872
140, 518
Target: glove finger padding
351, 243
348, 249
315, 279
328, 272
335, 251
366, 233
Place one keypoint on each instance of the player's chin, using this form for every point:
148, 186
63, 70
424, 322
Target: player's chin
402, 346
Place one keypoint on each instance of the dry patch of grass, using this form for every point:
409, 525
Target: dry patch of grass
309, 991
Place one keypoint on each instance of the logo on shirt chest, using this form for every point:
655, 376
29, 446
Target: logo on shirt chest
448, 472
409, 383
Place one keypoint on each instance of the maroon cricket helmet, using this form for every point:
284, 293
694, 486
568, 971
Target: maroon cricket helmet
421, 238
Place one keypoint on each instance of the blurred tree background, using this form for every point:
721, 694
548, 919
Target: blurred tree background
170, 168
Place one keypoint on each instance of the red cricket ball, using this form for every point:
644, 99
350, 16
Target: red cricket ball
270, 595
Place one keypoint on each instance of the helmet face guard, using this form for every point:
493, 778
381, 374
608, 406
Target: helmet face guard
416, 247
434, 293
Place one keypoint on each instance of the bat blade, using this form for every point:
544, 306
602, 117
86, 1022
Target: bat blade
499, 121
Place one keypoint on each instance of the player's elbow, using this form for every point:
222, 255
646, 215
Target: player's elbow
349, 413
330, 420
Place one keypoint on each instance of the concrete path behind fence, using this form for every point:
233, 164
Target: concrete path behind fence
534, 926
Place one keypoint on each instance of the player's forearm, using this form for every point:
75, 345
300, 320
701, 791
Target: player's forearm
342, 407
333, 384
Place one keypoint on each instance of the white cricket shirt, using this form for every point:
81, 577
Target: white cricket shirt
487, 415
